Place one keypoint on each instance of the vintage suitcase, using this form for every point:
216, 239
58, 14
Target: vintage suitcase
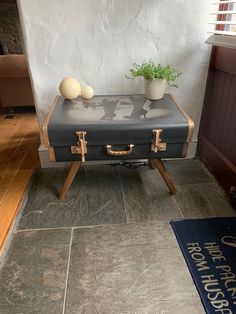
116, 128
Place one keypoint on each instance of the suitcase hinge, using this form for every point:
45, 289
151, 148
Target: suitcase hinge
81, 148
156, 142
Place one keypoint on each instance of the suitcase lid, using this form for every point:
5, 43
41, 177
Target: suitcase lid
116, 120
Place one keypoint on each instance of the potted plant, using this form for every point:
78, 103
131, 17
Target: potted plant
156, 78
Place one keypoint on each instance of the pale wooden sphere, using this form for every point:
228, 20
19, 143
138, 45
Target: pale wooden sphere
87, 92
69, 88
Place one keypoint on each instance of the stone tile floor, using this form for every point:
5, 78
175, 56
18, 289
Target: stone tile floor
109, 247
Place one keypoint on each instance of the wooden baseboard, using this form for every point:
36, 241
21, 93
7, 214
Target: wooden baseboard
17, 109
223, 170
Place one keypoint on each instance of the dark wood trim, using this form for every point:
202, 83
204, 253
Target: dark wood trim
208, 93
217, 133
218, 165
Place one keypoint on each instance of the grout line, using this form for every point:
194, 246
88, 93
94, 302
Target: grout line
102, 225
96, 226
42, 229
75, 227
181, 211
122, 224
123, 196
67, 272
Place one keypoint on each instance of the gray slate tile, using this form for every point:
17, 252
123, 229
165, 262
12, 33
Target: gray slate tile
50, 176
203, 200
95, 197
188, 171
147, 196
33, 277
128, 269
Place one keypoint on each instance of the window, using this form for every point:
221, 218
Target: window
224, 18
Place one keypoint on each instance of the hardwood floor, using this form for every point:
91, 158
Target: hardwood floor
19, 142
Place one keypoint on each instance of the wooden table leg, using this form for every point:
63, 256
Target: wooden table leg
74, 167
165, 175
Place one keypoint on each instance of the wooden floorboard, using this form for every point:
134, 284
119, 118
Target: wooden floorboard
19, 141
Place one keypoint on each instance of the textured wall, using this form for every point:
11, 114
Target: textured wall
98, 40
10, 32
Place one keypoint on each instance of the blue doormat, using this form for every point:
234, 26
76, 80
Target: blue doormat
209, 248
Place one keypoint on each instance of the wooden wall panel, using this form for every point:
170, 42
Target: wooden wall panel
215, 104
224, 59
217, 135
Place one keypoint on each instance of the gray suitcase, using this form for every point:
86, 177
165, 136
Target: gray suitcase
116, 128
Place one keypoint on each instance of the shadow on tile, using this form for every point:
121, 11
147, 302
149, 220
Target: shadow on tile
203, 200
146, 196
188, 171
95, 197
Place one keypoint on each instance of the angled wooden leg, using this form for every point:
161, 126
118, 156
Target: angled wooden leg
74, 167
165, 175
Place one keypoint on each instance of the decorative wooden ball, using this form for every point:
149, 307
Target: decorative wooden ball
69, 88
87, 92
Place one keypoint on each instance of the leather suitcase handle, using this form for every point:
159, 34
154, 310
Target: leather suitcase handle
112, 152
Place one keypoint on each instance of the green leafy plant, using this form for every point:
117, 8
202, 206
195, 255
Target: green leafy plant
150, 71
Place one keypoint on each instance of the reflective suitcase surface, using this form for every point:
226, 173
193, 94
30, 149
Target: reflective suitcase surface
116, 128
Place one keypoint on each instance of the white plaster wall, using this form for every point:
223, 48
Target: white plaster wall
97, 41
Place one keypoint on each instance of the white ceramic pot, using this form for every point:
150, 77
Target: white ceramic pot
155, 89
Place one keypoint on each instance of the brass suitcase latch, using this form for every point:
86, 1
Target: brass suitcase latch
156, 142
81, 148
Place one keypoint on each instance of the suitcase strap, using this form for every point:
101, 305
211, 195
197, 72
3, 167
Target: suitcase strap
81, 148
156, 142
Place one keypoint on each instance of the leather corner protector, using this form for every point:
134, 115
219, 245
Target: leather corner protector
46, 122
190, 121
51, 153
